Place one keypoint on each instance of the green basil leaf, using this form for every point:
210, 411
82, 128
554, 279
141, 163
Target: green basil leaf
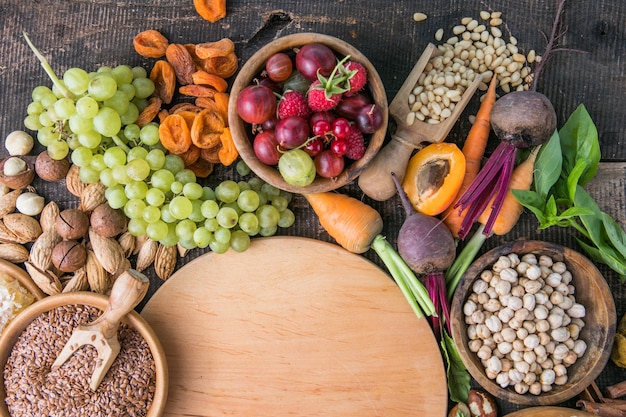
532, 201
607, 257
615, 233
548, 165
551, 208
458, 377
591, 222
573, 179
579, 141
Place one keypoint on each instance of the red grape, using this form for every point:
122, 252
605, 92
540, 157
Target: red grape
314, 57
369, 118
339, 146
292, 132
341, 127
328, 164
279, 67
321, 127
256, 104
349, 107
314, 146
266, 147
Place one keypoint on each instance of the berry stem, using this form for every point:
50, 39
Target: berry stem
48, 69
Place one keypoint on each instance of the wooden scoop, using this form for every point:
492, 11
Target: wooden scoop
128, 290
375, 180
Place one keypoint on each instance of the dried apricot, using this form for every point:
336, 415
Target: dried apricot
224, 66
202, 168
207, 129
150, 44
212, 154
191, 155
221, 100
210, 80
182, 62
211, 10
228, 152
150, 112
164, 79
222, 47
197, 91
185, 107
174, 134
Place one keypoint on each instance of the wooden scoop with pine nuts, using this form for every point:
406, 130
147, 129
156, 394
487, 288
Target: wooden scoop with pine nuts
128, 290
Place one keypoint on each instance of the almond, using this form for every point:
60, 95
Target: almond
41, 251
13, 252
8, 202
92, 196
107, 250
77, 281
26, 228
48, 216
481, 404
165, 261
146, 254
73, 182
48, 282
97, 276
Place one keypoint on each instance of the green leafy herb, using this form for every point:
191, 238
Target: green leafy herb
558, 198
458, 377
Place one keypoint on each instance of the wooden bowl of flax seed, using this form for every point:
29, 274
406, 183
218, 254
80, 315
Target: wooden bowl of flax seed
135, 385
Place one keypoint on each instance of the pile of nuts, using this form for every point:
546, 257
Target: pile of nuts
477, 47
524, 323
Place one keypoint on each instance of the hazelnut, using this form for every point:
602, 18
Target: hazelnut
19, 142
29, 203
50, 169
72, 224
481, 404
69, 255
107, 221
16, 172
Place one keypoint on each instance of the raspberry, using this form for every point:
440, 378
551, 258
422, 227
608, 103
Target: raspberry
357, 77
321, 99
293, 103
356, 144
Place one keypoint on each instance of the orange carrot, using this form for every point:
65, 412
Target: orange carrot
473, 149
521, 179
352, 223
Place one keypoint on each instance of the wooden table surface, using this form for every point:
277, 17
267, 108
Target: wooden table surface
89, 34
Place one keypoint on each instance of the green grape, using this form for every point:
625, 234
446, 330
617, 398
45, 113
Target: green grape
107, 122
89, 139
48, 100
131, 131
218, 247
40, 92
123, 74
185, 229
79, 124
136, 189
268, 231
87, 107
130, 115
137, 152
207, 193
116, 197
134, 207
222, 235
88, 175
34, 108
104, 69
174, 163
210, 208
138, 169
64, 108
144, 87
227, 217
52, 114
106, 178
249, 223
102, 86
188, 243
47, 135
180, 207
162, 179
211, 224
202, 237
157, 230
59, 93
156, 159
97, 162
248, 200
149, 134
234, 206
140, 103
32, 122
242, 168
185, 176
151, 214
270, 190
72, 142
192, 190
243, 185
280, 202
166, 215
255, 183
196, 212
287, 218
268, 216
137, 227
239, 241
118, 102
170, 238
139, 72
176, 187
286, 195
76, 80
155, 197
46, 120
58, 149
128, 90
120, 174
81, 156
227, 191
262, 198
114, 156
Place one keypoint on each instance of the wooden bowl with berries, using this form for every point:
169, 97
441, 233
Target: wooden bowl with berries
307, 112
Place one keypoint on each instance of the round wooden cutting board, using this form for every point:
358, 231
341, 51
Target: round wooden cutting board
549, 411
294, 327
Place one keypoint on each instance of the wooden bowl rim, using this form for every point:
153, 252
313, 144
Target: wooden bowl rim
603, 346
239, 129
23, 277
15, 328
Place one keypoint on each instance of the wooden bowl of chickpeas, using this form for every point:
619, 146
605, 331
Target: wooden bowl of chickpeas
533, 322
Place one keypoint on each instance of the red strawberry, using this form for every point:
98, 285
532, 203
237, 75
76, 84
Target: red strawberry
320, 98
357, 77
356, 144
293, 103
